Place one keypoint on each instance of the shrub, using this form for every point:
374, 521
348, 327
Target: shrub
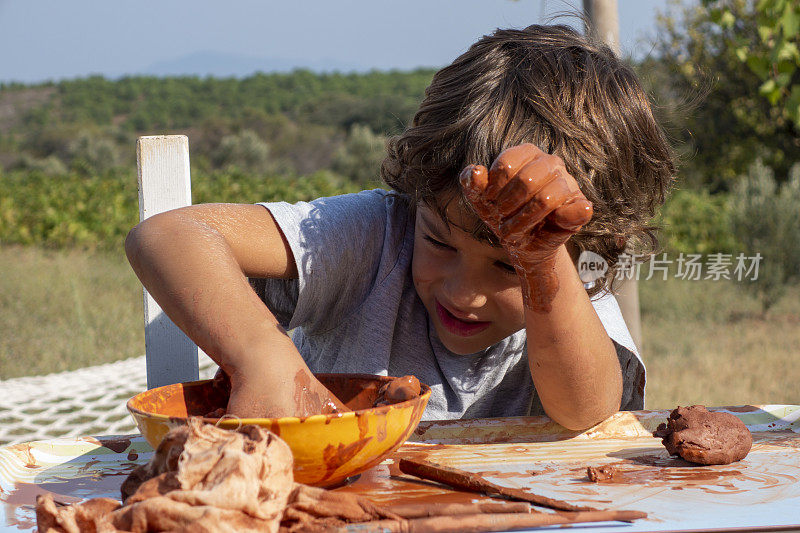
94, 153
244, 150
361, 155
71, 210
97, 210
765, 219
50, 165
696, 222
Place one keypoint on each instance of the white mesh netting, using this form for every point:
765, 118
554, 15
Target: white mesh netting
89, 401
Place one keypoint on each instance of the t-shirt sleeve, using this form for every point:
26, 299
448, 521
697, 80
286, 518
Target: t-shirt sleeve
337, 245
633, 369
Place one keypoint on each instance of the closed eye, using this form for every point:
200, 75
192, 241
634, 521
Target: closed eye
438, 244
502, 265
506, 267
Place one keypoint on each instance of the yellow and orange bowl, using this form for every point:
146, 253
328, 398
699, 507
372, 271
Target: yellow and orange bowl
327, 449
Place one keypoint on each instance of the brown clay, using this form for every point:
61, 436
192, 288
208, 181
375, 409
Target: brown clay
421, 510
398, 390
314, 509
349, 392
600, 473
336, 456
310, 401
116, 445
704, 437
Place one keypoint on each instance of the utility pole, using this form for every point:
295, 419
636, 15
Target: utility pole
603, 24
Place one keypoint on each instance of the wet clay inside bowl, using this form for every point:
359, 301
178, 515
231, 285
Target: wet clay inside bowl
357, 391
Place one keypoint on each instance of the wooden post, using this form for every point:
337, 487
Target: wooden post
164, 184
627, 295
603, 20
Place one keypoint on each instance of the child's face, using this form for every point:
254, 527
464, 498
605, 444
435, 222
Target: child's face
468, 287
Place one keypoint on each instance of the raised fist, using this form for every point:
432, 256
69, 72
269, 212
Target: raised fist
530, 201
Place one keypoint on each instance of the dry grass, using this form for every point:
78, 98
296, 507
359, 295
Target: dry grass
66, 310
705, 342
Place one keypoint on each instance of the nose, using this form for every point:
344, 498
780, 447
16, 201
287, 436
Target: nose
463, 287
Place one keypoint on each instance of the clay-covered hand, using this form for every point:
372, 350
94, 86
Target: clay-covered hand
256, 395
531, 203
529, 200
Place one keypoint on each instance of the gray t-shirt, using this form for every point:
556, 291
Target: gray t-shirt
355, 309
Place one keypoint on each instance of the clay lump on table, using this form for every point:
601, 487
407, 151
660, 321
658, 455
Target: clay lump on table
704, 437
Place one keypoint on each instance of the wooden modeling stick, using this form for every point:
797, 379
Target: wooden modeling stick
480, 523
461, 479
424, 510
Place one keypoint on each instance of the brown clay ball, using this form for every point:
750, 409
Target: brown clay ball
398, 390
704, 437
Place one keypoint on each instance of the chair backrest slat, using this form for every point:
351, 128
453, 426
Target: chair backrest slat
164, 184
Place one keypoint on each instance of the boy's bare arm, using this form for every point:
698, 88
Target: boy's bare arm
195, 262
534, 206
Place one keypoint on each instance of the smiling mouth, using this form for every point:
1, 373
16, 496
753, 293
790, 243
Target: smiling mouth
456, 326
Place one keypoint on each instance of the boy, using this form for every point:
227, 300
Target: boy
463, 276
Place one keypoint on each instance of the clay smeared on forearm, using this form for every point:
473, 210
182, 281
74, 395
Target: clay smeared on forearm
539, 288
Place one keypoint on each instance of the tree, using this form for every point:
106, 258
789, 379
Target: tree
771, 52
710, 101
765, 220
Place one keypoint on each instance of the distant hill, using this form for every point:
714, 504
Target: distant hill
222, 64
289, 123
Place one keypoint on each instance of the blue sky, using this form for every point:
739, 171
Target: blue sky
57, 39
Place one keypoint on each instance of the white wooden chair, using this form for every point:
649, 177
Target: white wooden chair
164, 184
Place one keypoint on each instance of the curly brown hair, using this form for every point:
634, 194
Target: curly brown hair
568, 95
